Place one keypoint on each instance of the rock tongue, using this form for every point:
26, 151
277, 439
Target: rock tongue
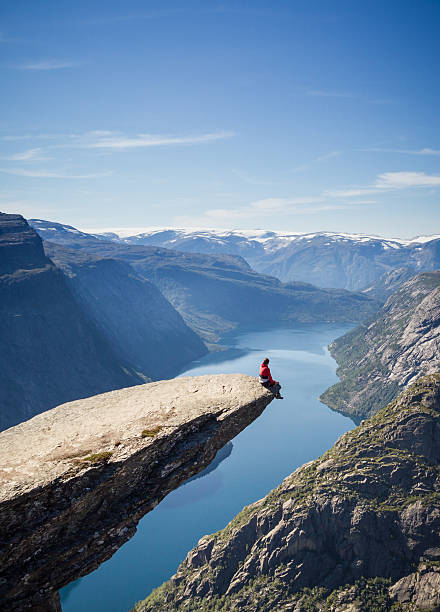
76, 479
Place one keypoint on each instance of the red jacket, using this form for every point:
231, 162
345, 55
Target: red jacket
265, 373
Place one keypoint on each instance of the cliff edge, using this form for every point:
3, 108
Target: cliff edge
75, 480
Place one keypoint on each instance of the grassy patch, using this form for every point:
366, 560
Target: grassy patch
97, 458
150, 433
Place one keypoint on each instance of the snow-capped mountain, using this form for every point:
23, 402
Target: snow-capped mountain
327, 259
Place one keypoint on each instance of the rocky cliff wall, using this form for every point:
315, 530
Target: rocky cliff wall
380, 358
131, 313
50, 351
75, 480
356, 530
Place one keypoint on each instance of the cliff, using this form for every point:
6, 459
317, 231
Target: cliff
75, 480
358, 529
382, 357
130, 312
51, 352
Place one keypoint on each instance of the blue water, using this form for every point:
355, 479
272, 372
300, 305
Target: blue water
289, 433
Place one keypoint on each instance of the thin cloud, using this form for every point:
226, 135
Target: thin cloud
320, 158
403, 180
425, 151
49, 174
28, 155
150, 140
329, 155
351, 192
45, 65
248, 178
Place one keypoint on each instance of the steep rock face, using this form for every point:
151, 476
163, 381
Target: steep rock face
50, 351
362, 518
216, 293
379, 358
141, 325
387, 284
75, 480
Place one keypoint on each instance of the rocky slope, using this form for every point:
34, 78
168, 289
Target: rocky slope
326, 259
358, 529
380, 358
51, 351
139, 323
75, 480
216, 293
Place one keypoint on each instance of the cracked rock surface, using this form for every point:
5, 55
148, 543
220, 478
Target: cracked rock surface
75, 480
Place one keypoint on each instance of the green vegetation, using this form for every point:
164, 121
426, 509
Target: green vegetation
98, 458
150, 433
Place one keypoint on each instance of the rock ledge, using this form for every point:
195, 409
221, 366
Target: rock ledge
75, 480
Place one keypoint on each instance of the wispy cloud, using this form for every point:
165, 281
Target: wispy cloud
28, 155
351, 192
151, 140
328, 200
425, 151
46, 65
320, 158
403, 180
50, 174
252, 180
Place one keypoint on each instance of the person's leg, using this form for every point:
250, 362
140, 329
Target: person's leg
276, 391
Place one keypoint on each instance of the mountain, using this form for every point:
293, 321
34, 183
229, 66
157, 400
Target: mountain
383, 356
216, 293
51, 352
325, 259
387, 284
131, 313
355, 530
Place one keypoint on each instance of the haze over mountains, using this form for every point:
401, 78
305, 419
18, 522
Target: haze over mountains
215, 293
326, 259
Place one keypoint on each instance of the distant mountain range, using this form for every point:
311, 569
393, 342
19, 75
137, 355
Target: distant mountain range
216, 293
325, 259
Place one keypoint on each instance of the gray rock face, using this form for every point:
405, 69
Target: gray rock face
368, 508
75, 480
51, 352
130, 312
382, 357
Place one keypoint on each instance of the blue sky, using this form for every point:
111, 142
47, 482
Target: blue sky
300, 115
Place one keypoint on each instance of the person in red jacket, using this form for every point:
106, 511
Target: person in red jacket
267, 381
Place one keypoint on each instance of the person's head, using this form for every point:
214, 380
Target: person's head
266, 360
